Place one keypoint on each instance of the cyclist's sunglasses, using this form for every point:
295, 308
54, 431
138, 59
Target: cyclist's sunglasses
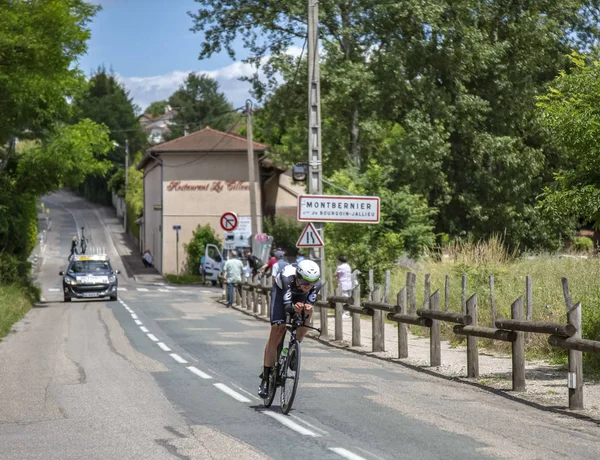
303, 282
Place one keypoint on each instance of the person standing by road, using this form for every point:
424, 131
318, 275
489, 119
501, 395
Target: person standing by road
343, 274
232, 270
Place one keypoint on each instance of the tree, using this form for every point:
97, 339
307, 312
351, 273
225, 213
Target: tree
203, 235
157, 108
406, 226
442, 93
107, 101
39, 42
570, 111
199, 103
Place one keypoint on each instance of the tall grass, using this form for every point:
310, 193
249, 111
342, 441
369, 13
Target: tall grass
15, 301
480, 260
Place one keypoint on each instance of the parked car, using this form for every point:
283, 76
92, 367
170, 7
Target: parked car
90, 277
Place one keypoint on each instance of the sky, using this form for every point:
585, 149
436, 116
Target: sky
148, 44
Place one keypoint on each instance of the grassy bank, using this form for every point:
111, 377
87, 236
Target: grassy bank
509, 276
15, 301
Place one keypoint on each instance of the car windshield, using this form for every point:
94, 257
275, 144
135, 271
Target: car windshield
90, 266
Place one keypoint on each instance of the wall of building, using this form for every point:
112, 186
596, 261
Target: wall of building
153, 217
197, 190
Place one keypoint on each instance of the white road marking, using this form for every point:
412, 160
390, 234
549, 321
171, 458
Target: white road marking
207, 291
308, 424
370, 453
346, 453
178, 358
170, 287
290, 424
234, 394
159, 284
163, 290
144, 329
163, 346
134, 316
142, 289
42, 299
54, 290
247, 392
152, 337
138, 322
199, 373
122, 289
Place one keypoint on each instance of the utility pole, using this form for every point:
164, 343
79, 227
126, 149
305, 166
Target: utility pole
251, 171
315, 168
126, 182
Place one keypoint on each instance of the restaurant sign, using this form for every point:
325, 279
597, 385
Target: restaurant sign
212, 186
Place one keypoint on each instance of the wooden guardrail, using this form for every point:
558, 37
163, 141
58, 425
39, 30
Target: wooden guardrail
256, 297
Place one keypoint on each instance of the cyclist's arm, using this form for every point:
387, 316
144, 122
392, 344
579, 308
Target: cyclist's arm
312, 294
286, 288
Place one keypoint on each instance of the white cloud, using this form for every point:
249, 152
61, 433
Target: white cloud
145, 90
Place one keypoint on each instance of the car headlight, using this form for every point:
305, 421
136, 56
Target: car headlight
112, 278
69, 280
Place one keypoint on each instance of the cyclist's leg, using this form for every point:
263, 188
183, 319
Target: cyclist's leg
275, 336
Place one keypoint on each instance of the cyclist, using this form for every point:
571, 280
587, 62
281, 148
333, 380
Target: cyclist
297, 286
73, 247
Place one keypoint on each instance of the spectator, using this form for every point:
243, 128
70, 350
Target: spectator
233, 274
267, 268
147, 258
299, 257
343, 274
279, 265
202, 269
253, 262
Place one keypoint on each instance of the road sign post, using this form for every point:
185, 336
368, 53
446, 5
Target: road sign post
177, 228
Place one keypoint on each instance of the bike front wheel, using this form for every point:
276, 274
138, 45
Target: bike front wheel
290, 377
272, 389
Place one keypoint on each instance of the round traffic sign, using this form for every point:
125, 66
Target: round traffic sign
229, 221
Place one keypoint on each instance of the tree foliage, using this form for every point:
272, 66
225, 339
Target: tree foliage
199, 103
570, 111
195, 249
39, 42
442, 93
157, 108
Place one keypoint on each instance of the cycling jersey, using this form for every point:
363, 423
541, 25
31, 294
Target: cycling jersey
286, 294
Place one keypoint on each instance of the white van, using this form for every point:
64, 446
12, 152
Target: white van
214, 258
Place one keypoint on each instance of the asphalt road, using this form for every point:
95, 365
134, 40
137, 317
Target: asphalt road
167, 372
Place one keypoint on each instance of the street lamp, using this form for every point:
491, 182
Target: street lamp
300, 172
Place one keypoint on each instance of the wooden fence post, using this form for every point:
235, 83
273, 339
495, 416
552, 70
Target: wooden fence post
386, 289
447, 293
324, 312
435, 352
236, 293
269, 284
378, 325
575, 379
528, 304
263, 296
244, 292
463, 296
411, 281
472, 341
339, 318
518, 348
427, 292
492, 301
356, 340
402, 328
255, 295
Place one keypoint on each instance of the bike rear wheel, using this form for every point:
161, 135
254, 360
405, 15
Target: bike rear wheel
290, 377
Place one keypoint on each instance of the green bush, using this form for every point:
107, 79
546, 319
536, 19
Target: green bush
9, 269
184, 279
203, 235
285, 232
583, 244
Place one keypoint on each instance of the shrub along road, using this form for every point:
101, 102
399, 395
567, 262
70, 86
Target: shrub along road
170, 373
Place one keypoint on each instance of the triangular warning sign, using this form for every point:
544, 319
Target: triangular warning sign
310, 238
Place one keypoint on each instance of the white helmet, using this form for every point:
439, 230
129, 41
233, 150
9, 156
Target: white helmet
308, 271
